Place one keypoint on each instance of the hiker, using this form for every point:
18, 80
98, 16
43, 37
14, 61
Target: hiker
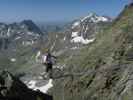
48, 60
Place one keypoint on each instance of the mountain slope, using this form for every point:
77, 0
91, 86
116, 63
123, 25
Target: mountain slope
18, 43
106, 65
31, 26
76, 35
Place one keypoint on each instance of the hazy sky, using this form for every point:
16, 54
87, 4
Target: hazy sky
57, 10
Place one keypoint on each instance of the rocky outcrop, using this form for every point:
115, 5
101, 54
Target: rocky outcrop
11, 88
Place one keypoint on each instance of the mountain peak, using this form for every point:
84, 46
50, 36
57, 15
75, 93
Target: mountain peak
94, 18
27, 22
31, 26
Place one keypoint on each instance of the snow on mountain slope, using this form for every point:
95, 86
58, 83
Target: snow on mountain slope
80, 39
94, 18
76, 24
78, 33
83, 30
74, 34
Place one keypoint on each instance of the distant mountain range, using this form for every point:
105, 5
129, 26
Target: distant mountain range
25, 32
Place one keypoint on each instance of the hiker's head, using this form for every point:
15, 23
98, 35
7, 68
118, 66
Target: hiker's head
47, 51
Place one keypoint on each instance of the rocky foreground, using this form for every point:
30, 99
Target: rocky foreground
11, 88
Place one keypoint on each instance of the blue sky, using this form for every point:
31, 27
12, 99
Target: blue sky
57, 10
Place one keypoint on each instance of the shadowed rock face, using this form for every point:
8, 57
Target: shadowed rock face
12, 88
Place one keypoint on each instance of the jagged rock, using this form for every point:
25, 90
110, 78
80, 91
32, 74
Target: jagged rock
11, 88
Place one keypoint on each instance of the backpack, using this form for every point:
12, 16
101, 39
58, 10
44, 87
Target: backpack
44, 58
48, 58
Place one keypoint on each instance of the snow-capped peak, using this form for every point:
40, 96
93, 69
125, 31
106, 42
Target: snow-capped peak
82, 29
92, 17
86, 17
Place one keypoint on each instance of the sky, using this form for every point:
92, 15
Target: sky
57, 10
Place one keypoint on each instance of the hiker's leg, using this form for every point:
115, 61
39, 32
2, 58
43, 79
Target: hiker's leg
44, 68
50, 70
45, 73
47, 68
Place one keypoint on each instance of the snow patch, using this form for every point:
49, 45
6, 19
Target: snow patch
56, 36
8, 32
17, 38
28, 43
74, 48
64, 38
86, 29
44, 89
74, 34
80, 39
30, 33
37, 56
76, 24
100, 19
52, 47
103, 19
13, 60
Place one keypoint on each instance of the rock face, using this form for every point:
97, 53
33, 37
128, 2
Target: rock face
106, 65
12, 88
